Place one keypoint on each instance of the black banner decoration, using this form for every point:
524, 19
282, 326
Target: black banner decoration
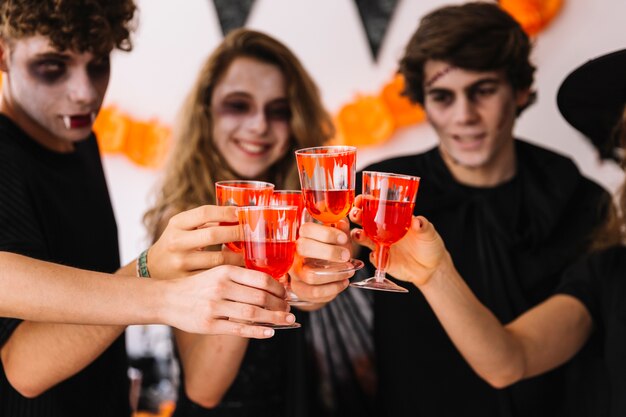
375, 16
232, 14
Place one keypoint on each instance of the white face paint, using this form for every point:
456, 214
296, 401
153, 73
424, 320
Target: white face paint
53, 95
251, 116
473, 114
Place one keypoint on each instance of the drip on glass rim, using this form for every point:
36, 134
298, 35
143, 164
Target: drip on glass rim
391, 174
319, 150
237, 184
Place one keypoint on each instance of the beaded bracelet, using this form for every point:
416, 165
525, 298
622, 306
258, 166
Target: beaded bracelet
142, 265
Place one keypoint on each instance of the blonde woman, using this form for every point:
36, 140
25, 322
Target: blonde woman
251, 107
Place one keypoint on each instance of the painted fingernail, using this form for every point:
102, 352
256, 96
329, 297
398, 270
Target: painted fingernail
268, 332
357, 234
355, 212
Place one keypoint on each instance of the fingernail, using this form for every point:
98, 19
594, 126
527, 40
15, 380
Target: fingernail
290, 318
268, 332
345, 255
355, 212
342, 238
357, 234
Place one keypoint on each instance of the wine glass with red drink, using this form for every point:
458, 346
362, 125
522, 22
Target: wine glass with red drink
327, 177
269, 241
388, 203
242, 193
291, 198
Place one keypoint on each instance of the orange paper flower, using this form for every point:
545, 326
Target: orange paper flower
533, 15
366, 121
111, 128
403, 111
147, 143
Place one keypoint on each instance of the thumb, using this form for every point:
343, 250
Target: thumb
359, 236
423, 228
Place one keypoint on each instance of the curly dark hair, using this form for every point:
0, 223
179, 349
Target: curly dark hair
477, 36
97, 26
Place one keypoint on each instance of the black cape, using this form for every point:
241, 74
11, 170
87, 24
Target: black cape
510, 243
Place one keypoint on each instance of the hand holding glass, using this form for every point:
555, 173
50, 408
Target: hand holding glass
388, 203
269, 241
327, 177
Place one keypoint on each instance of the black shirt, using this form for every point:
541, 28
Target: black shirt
271, 381
599, 282
510, 243
56, 207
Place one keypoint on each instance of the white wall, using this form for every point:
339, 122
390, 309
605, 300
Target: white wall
174, 37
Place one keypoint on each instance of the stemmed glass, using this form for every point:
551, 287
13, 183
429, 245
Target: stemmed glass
388, 203
269, 241
291, 198
327, 177
242, 193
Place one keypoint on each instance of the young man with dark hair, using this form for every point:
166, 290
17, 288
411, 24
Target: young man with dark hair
513, 215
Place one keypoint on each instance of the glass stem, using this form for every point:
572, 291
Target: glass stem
381, 264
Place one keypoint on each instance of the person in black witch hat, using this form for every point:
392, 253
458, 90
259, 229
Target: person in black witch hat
589, 303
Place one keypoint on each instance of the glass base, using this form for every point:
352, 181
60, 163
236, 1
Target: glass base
279, 326
293, 300
322, 267
374, 284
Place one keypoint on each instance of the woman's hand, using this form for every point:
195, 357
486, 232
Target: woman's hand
181, 249
321, 242
225, 300
415, 257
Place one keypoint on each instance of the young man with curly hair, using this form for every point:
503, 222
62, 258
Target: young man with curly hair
55, 207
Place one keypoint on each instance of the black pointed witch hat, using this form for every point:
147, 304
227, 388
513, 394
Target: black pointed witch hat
592, 99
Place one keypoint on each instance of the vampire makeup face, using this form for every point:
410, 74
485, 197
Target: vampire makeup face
53, 95
251, 116
473, 114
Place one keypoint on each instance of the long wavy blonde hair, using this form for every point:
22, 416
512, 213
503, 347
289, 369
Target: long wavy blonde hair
195, 164
613, 231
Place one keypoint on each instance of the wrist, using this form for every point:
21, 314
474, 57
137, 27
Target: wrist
161, 306
438, 275
142, 265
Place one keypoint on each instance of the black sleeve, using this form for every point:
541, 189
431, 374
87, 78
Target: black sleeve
581, 281
19, 229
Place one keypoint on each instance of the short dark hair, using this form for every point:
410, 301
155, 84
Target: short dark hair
96, 26
476, 36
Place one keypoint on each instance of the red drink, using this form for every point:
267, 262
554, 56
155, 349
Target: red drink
328, 206
273, 258
241, 193
288, 198
386, 222
234, 246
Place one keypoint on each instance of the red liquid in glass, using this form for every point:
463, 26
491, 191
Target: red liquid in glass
234, 246
273, 258
328, 206
386, 222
